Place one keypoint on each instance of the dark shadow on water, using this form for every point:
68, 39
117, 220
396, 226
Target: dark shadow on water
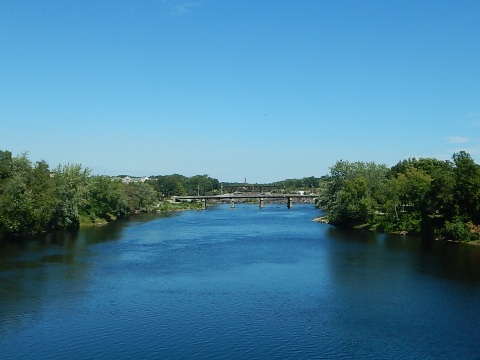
36, 270
455, 261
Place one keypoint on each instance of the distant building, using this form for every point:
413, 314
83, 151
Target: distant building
130, 179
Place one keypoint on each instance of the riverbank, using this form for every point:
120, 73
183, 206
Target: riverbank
164, 206
324, 220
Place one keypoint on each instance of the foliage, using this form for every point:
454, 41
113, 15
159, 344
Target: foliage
107, 199
467, 186
455, 229
178, 206
34, 198
143, 196
178, 185
349, 192
428, 197
305, 184
18, 205
71, 192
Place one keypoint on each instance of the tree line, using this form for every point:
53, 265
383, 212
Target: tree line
310, 183
180, 185
426, 197
36, 198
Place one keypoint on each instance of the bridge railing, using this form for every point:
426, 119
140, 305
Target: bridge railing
233, 197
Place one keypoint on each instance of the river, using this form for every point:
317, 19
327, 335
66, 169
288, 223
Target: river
243, 283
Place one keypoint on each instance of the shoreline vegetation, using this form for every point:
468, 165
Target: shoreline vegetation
427, 198
37, 199
324, 220
163, 206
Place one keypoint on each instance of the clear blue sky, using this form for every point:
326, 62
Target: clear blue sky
263, 90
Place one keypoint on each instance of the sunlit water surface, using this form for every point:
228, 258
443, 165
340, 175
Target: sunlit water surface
243, 283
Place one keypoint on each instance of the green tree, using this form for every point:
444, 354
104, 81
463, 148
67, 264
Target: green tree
71, 190
414, 185
107, 199
456, 230
167, 185
348, 193
16, 199
180, 191
202, 184
355, 204
467, 187
6, 165
143, 196
43, 190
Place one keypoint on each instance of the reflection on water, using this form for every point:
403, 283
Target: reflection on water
459, 262
33, 271
242, 283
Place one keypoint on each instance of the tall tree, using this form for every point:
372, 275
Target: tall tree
143, 196
467, 186
43, 190
107, 198
71, 186
16, 199
6, 165
348, 196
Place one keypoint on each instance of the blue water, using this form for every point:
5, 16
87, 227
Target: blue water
243, 283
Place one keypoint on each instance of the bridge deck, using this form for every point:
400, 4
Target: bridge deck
239, 196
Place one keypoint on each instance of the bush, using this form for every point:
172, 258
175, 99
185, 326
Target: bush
456, 230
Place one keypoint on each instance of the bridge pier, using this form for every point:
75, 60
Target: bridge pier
260, 204
289, 202
232, 203
204, 203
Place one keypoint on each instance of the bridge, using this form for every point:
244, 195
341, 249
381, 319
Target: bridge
232, 197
